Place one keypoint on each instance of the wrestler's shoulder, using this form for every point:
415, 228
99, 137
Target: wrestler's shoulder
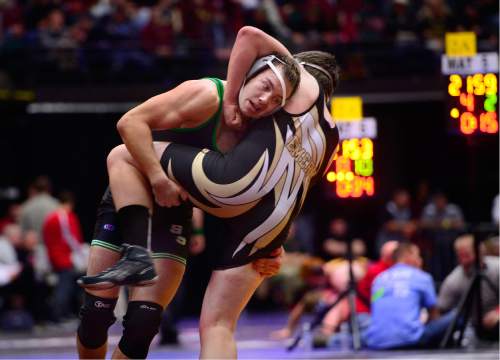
205, 87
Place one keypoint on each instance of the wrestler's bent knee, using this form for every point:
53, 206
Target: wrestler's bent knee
140, 325
96, 316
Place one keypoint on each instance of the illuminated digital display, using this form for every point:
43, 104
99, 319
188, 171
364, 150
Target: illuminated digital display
352, 172
474, 103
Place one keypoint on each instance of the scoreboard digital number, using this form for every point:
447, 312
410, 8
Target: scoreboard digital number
352, 171
473, 103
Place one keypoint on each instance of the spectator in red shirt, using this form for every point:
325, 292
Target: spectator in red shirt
365, 284
62, 236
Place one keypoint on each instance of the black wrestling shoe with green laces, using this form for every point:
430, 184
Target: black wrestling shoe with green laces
135, 268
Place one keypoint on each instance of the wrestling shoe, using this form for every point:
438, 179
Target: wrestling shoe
135, 268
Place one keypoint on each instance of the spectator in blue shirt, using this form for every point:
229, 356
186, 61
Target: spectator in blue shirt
398, 296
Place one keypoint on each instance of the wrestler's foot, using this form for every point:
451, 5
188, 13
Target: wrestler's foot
135, 268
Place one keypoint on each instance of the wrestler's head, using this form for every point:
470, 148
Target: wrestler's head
323, 67
271, 80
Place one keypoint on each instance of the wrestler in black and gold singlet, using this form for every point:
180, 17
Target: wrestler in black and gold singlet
258, 187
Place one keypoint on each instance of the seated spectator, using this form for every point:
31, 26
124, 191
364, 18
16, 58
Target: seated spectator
399, 295
335, 275
12, 313
440, 224
318, 291
339, 234
456, 284
12, 215
397, 220
364, 291
9, 264
440, 214
338, 275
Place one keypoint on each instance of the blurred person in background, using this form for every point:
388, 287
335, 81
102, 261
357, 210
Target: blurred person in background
433, 18
12, 215
13, 313
337, 271
398, 297
336, 242
63, 238
363, 295
24, 292
440, 224
10, 236
440, 214
457, 282
9, 264
34, 211
397, 220
330, 281
316, 292
364, 288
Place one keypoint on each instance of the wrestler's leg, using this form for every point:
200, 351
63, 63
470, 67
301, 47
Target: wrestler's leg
96, 314
227, 294
99, 259
142, 321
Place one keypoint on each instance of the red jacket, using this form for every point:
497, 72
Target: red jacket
58, 225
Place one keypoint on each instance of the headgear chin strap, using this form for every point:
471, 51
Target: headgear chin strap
259, 65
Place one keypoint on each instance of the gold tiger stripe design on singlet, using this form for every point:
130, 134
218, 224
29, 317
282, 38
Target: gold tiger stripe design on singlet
311, 137
230, 200
222, 190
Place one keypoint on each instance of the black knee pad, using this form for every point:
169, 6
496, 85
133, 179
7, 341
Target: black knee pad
96, 316
140, 325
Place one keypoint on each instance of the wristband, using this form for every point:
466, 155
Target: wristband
198, 231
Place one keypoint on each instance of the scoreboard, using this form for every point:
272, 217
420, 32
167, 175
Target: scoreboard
473, 103
352, 172
472, 86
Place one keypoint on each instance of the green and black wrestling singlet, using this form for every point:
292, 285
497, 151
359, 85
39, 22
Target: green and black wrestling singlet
258, 187
171, 227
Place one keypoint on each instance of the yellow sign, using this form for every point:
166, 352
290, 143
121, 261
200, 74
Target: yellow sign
461, 44
347, 108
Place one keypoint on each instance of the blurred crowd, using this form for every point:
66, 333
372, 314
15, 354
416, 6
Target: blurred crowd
431, 243
41, 253
116, 34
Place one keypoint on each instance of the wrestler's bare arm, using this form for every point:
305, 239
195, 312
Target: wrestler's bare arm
250, 44
187, 104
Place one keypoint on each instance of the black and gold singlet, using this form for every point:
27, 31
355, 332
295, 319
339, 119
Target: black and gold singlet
258, 187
